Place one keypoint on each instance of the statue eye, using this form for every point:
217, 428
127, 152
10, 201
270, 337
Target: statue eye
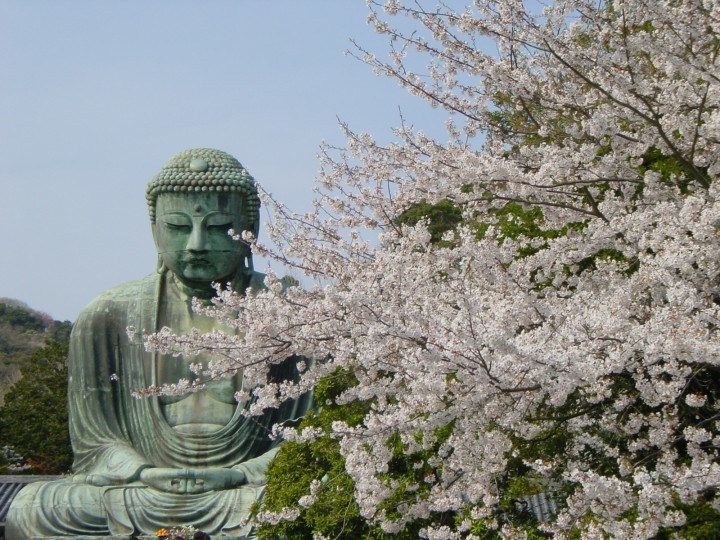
222, 228
180, 227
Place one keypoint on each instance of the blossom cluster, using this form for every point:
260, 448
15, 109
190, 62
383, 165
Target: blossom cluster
577, 301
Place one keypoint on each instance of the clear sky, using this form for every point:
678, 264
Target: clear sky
96, 96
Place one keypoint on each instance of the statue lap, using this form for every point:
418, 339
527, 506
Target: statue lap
65, 508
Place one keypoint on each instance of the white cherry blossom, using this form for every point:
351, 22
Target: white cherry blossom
604, 117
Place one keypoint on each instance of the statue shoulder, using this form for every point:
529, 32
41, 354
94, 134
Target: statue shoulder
122, 296
257, 282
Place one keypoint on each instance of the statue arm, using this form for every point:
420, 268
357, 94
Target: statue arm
289, 413
99, 438
254, 469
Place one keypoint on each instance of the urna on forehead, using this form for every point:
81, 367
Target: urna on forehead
199, 170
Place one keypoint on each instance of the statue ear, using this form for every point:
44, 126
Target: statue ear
255, 228
153, 228
161, 268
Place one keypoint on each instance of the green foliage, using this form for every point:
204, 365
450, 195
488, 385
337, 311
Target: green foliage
518, 125
407, 472
441, 217
512, 220
335, 512
702, 523
34, 419
60, 331
516, 221
671, 170
16, 316
22, 331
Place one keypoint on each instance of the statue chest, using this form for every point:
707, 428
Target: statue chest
203, 411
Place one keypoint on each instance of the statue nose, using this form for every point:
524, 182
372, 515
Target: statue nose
197, 240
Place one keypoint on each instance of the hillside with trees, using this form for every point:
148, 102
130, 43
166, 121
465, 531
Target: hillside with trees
33, 391
23, 330
34, 418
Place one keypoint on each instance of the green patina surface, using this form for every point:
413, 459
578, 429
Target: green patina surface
143, 464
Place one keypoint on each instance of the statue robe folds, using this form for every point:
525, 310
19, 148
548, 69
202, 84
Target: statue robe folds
115, 436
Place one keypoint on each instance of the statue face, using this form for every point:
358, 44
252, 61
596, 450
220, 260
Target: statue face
191, 235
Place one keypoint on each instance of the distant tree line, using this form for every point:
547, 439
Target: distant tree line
33, 391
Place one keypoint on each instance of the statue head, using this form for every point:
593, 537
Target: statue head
194, 200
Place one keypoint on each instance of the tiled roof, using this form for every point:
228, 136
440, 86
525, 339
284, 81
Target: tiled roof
11, 486
542, 506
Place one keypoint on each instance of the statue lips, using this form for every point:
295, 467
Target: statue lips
197, 261
201, 260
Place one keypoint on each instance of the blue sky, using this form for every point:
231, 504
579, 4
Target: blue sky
96, 96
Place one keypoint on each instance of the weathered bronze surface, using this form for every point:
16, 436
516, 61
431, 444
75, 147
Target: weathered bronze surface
143, 464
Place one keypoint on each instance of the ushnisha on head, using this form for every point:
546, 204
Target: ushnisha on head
197, 197
200, 170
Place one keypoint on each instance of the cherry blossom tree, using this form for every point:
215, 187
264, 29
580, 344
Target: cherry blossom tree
562, 334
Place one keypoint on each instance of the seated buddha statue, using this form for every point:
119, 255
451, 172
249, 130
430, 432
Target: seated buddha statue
193, 459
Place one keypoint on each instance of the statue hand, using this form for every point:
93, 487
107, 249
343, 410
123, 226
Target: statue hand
215, 479
165, 479
191, 480
102, 480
